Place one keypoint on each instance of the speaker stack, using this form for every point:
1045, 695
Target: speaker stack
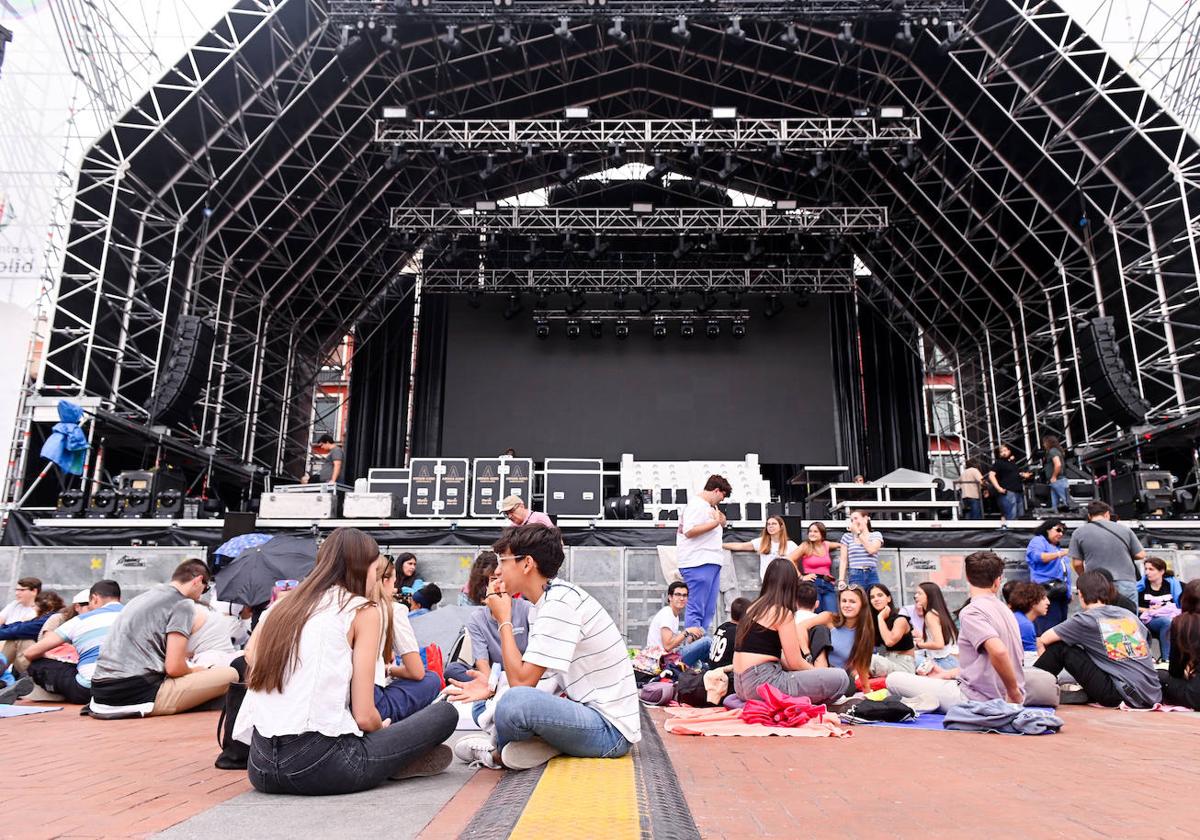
1103, 371
182, 381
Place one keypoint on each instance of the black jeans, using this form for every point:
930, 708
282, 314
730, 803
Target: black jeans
313, 764
1180, 692
1099, 686
59, 678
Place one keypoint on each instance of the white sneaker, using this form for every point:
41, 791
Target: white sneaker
477, 751
523, 755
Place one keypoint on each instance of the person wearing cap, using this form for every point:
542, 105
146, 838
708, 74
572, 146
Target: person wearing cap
86, 632
516, 511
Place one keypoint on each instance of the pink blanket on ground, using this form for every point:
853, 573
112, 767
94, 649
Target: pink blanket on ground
684, 720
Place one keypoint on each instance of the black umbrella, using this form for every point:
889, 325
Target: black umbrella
252, 574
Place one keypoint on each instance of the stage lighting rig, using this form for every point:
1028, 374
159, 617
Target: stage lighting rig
909, 157
489, 168
687, 328
621, 330
955, 35
713, 243
659, 170
696, 158
573, 330
575, 301
680, 32
450, 40
659, 330
649, 301
617, 33
682, 249
734, 31
616, 154
541, 328
388, 39
397, 158
442, 158
599, 246
506, 40
708, 300
514, 307
568, 244
738, 330
712, 329
563, 30
473, 299
530, 153
534, 253
776, 154
753, 251
596, 328
846, 36
774, 306
790, 39
676, 299
619, 299
731, 166
904, 35
570, 171
819, 165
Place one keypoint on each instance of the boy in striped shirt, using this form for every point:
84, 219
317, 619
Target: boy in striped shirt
573, 637
86, 632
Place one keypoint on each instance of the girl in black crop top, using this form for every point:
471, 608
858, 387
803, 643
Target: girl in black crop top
767, 632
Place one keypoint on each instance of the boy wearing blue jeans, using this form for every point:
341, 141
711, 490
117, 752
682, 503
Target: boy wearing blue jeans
571, 637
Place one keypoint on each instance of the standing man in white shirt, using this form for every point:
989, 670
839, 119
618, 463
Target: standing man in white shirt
698, 551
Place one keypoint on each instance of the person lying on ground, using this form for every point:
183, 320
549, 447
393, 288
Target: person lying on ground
571, 636
1104, 648
768, 650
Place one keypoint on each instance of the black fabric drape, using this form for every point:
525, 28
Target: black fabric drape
431, 376
378, 395
880, 390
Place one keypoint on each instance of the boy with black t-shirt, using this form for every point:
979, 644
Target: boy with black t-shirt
720, 653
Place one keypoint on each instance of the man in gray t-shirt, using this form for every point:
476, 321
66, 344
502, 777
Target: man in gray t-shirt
1104, 544
1104, 648
144, 658
331, 468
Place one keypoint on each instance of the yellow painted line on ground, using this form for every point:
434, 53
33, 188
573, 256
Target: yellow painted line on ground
592, 798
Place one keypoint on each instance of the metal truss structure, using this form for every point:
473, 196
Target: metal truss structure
249, 187
747, 221
546, 280
649, 136
353, 11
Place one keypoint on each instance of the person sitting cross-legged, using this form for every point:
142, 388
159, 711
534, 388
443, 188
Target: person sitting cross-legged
402, 685
1104, 648
86, 632
690, 643
143, 667
989, 651
571, 636
1181, 681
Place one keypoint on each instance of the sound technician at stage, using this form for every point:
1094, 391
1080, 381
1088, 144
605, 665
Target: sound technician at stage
330, 469
516, 511
698, 551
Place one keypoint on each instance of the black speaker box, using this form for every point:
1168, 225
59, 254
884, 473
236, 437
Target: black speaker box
182, 380
1103, 370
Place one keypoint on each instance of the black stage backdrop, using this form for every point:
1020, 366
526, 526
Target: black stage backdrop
771, 393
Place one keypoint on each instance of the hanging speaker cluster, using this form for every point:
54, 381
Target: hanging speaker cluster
1103, 371
182, 380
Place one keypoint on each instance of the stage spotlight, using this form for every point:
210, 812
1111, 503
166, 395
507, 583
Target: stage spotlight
514, 307
679, 31
506, 40
542, 298
776, 153
713, 329
535, 251
599, 246
541, 328
954, 37
833, 247
738, 330
713, 243
530, 153
563, 30
569, 244
734, 31
796, 243
489, 168
659, 330
388, 39
649, 301
708, 299
687, 328
397, 157
570, 170
735, 299
442, 157
343, 39
616, 154
659, 169
754, 251
450, 40
790, 38
697, 156
774, 306
621, 330
473, 299
619, 299
904, 36
676, 299
864, 150
802, 299
731, 166
492, 244
819, 166
574, 330
575, 301
596, 328
682, 248
617, 33
846, 36
910, 155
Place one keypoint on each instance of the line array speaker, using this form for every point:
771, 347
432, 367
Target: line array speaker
182, 380
1103, 370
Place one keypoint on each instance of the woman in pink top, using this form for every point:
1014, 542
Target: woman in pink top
814, 562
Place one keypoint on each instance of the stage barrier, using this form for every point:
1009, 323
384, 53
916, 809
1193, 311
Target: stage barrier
627, 581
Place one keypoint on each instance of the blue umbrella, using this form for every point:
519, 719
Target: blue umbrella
237, 545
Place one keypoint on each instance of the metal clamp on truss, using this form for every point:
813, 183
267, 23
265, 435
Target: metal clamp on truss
553, 280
